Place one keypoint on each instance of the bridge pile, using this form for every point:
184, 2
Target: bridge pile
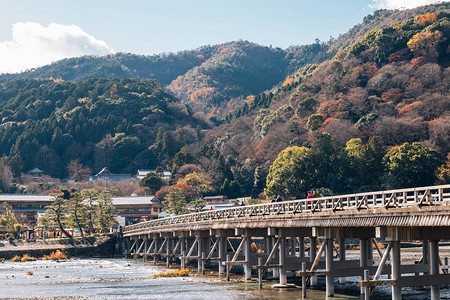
309, 236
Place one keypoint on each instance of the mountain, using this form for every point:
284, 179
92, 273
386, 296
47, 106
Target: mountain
393, 82
216, 79
100, 122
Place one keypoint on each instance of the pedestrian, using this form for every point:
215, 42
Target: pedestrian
279, 199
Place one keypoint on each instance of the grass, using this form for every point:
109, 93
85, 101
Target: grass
56, 255
175, 273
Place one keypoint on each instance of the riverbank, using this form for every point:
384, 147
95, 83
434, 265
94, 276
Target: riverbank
95, 246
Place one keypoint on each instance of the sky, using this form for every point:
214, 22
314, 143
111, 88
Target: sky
35, 33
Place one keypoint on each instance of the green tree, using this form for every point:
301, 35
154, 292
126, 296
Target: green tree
57, 213
315, 121
175, 202
105, 212
78, 212
16, 164
290, 174
90, 197
152, 181
413, 165
9, 220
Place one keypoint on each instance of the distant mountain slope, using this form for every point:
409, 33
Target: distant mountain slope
164, 67
101, 122
393, 82
215, 78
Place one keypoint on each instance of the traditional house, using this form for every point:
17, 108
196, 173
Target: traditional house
142, 173
26, 207
137, 208
105, 174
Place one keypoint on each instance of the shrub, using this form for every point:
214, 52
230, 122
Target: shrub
27, 257
175, 273
57, 255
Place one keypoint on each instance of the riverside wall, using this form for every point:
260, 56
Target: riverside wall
98, 246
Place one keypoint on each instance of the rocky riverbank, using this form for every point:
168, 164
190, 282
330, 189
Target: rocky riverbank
96, 246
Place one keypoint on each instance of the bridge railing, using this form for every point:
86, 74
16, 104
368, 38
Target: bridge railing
402, 198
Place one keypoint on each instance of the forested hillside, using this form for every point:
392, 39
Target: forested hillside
100, 122
392, 84
215, 79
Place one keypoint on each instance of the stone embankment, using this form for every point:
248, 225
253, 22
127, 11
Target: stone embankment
97, 246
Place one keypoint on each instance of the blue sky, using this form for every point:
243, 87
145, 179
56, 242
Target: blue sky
149, 27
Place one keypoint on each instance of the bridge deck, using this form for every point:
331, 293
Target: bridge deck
414, 207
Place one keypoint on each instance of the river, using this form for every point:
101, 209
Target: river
127, 279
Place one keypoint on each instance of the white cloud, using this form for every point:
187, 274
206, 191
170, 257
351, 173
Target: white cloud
397, 4
34, 45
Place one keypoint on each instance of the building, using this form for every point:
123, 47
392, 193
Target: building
137, 208
142, 173
105, 174
215, 199
26, 207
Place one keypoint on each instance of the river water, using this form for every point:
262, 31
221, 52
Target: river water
127, 279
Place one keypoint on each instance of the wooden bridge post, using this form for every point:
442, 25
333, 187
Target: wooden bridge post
342, 280
312, 256
329, 267
301, 246
363, 257
434, 268
222, 251
396, 272
282, 260
168, 248
155, 258
247, 254
425, 253
200, 247
144, 252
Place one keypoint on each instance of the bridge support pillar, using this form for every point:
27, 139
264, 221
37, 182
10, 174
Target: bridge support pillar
396, 273
275, 271
434, 268
247, 253
342, 256
329, 267
312, 256
282, 261
222, 253
301, 246
144, 252
363, 257
425, 253
200, 249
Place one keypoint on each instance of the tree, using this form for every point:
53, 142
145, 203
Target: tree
57, 213
9, 220
197, 180
412, 165
77, 212
426, 43
90, 200
152, 181
16, 164
315, 121
77, 171
105, 212
290, 174
175, 203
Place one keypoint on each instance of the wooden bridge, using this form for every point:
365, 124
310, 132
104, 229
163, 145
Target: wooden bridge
284, 236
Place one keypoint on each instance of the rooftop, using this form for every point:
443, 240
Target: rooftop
136, 200
25, 198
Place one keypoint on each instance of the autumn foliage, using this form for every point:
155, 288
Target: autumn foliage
425, 43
